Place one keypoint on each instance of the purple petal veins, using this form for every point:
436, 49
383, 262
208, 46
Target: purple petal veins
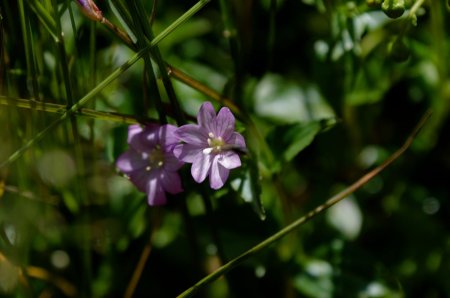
210, 145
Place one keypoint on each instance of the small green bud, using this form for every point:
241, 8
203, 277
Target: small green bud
375, 3
393, 8
398, 50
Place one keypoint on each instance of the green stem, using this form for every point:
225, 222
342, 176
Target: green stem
80, 190
32, 74
77, 106
302, 220
193, 83
139, 21
46, 19
28, 46
183, 18
156, 54
415, 7
74, 108
179, 116
230, 32
124, 14
61, 109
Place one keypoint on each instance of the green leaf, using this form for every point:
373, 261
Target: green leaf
285, 101
287, 141
316, 281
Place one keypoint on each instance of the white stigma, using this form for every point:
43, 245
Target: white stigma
207, 151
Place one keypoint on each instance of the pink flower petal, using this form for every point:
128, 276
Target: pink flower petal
171, 163
130, 161
187, 152
140, 179
150, 136
193, 134
237, 140
143, 139
133, 130
229, 160
205, 115
200, 167
155, 193
167, 137
224, 123
218, 175
171, 182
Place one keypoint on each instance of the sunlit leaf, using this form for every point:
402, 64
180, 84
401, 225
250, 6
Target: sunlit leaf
286, 101
346, 217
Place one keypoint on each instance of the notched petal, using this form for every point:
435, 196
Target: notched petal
206, 114
200, 167
237, 140
219, 174
193, 134
224, 123
130, 161
229, 160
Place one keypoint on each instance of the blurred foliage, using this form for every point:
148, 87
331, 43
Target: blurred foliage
325, 89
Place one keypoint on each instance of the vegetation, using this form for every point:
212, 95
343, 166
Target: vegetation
342, 185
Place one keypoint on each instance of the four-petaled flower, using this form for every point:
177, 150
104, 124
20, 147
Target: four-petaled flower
149, 162
210, 145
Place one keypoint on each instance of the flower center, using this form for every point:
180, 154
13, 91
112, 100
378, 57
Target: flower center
155, 159
215, 144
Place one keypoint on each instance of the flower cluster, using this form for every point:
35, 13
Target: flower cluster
157, 152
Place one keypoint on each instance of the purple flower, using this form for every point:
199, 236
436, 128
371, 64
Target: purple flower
210, 145
149, 162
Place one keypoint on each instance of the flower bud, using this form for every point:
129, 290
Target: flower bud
89, 9
393, 8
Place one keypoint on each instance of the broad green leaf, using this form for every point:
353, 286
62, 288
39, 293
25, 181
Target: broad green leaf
287, 141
